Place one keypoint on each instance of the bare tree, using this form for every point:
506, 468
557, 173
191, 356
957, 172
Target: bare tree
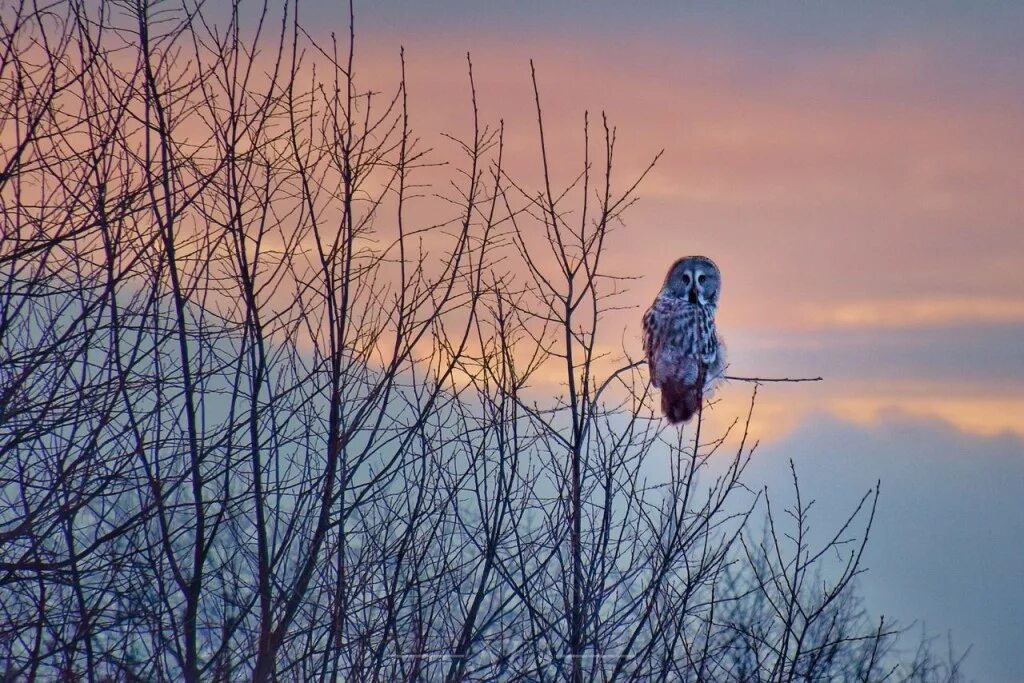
260, 419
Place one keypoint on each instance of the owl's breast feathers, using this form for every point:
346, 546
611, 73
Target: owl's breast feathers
681, 343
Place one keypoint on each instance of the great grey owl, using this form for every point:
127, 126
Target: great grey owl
684, 354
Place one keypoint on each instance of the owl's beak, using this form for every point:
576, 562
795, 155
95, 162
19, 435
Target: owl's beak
694, 299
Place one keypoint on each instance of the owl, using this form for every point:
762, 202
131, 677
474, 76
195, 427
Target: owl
684, 354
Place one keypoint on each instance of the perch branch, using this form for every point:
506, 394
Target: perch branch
755, 380
758, 380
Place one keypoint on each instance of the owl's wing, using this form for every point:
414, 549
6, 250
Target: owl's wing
668, 340
714, 360
653, 327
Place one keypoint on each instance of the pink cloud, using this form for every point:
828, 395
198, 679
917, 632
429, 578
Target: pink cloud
867, 189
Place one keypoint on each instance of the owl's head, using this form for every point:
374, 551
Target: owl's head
694, 278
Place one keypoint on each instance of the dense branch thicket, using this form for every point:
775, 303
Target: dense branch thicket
259, 418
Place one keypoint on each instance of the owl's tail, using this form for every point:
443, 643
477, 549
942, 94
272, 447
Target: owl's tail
679, 401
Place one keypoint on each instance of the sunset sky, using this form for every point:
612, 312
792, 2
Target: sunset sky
857, 172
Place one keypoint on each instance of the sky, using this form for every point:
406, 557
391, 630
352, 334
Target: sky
857, 172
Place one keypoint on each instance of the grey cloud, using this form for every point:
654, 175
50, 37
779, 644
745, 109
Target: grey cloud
948, 543
991, 354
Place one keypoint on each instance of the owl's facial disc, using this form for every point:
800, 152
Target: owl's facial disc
695, 279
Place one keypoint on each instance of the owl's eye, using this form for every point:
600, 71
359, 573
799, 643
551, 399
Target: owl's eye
686, 279
701, 278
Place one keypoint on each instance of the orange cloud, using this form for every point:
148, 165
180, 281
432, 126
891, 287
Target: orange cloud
983, 415
917, 313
